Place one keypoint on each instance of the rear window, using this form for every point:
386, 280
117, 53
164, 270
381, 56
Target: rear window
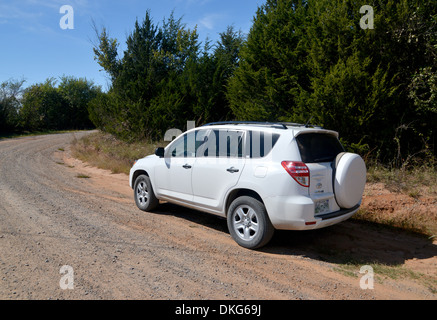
318, 147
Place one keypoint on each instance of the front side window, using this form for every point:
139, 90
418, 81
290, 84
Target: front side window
187, 145
179, 149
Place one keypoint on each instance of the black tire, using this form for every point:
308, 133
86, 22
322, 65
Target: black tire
248, 223
144, 195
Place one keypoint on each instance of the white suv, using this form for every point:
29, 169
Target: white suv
260, 176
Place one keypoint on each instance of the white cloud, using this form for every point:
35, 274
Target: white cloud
209, 21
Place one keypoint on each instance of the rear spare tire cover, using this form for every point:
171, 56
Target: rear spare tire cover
349, 180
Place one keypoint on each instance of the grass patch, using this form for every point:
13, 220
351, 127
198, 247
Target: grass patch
415, 181
419, 223
83, 176
382, 271
104, 151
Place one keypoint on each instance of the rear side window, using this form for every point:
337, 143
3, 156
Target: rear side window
259, 144
318, 147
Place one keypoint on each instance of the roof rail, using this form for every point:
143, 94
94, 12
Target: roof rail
308, 125
278, 125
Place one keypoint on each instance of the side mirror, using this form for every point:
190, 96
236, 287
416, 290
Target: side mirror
159, 152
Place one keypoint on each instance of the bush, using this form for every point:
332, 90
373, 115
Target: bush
48, 107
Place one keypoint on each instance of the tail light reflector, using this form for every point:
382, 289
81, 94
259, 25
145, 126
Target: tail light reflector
298, 171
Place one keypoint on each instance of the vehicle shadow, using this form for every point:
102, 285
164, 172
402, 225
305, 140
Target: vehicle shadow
206, 219
354, 242
350, 242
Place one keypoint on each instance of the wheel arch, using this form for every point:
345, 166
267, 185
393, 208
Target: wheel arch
234, 194
137, 174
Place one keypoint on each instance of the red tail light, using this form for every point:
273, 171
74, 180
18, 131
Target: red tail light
298, 171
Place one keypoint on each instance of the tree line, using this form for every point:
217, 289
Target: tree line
312, 60
302, 61
46, 106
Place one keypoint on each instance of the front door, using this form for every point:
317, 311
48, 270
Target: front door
173, 173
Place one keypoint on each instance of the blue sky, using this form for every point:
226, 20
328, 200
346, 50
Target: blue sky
34, 47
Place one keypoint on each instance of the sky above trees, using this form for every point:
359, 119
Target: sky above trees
35, 47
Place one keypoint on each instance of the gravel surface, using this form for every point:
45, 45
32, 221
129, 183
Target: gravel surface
56, 211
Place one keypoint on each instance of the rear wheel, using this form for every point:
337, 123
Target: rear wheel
145, 198
248, 223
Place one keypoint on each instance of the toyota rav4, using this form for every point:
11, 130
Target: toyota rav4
259, 176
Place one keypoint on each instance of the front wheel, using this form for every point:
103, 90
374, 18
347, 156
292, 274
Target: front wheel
248, 223
145, 198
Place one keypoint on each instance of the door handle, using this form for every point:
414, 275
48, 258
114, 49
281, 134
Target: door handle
186, 166
232, 170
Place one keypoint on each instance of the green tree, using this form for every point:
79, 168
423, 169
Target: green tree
267, 84
208, 76
226, 58
46, 106
311, 60
77, 92
149, 92
10, 103
105, 52
42, 107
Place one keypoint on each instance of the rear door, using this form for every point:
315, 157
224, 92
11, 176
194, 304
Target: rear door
218, 166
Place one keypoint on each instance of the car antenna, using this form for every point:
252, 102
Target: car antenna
306, 124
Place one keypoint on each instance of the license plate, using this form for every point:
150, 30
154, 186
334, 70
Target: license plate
321, 206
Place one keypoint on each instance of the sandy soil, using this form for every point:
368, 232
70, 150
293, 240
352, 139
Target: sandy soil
51, 216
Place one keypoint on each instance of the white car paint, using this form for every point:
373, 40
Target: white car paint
209, 183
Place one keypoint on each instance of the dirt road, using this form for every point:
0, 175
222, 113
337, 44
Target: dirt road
55, 211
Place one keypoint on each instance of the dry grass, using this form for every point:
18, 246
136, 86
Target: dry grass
416, 181
402, 198
104, 151
422, 222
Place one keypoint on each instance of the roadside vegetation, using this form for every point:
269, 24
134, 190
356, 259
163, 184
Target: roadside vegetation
416, 211
415, 181
383, 272
51, 106
302, 61
105, 151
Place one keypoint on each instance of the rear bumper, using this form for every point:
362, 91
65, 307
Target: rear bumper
343, 212
297, 213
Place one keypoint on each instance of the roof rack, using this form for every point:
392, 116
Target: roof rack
279, 125
308, 125
257, 123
